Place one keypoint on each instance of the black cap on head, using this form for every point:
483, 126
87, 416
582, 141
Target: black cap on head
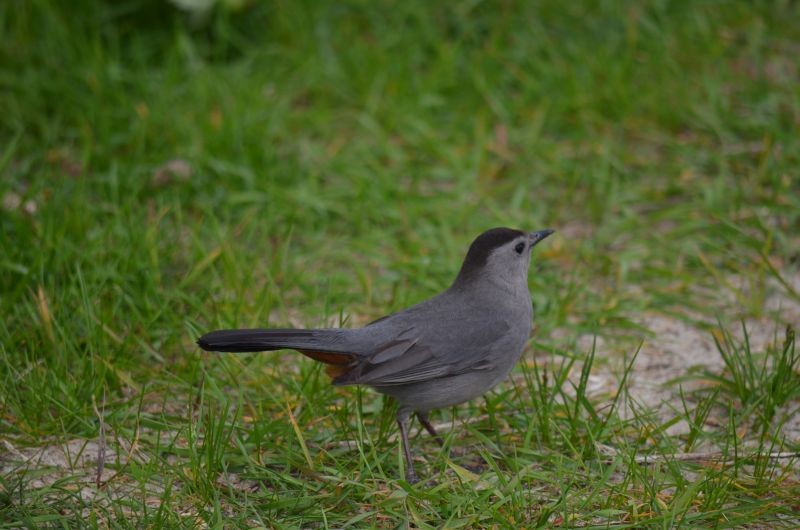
483, 245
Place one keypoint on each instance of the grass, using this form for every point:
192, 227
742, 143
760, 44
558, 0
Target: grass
295, 164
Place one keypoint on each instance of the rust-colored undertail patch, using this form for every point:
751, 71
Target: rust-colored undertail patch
337, 363
334, 370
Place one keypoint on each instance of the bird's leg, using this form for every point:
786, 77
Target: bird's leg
423, 419
403, 421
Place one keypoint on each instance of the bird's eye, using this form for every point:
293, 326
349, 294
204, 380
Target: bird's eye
519, 248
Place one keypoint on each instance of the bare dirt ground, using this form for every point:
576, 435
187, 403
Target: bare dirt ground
678, 347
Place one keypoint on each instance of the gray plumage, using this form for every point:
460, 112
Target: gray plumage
441, 352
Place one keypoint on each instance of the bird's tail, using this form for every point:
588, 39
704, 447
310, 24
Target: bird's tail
329, 346
254, 340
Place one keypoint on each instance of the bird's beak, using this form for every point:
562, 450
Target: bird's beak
537, 236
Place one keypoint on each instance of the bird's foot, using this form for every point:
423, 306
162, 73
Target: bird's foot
411, 476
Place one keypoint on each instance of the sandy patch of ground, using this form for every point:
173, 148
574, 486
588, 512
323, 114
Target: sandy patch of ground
675, 347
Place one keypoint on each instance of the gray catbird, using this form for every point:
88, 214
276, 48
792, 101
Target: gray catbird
441, 352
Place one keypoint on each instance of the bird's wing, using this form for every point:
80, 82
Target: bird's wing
421, 355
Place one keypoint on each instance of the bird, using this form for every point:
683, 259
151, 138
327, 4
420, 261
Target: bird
438, 353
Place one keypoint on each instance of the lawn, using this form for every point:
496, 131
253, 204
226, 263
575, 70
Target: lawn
165, 172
